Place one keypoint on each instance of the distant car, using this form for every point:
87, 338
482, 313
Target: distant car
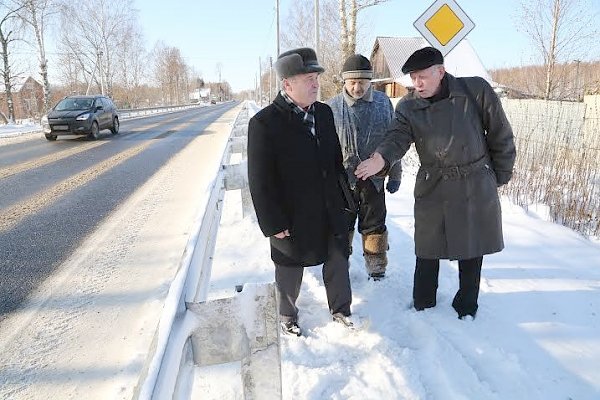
213, 102
81, 115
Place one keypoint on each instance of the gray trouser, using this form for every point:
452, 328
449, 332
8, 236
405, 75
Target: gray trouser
335, 277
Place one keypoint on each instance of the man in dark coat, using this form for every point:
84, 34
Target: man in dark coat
466, 148
362, 116
297, 184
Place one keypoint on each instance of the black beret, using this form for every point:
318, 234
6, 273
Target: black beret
296, 62
422, 59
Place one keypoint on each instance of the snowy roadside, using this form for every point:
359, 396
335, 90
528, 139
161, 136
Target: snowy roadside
536, 336
12, 130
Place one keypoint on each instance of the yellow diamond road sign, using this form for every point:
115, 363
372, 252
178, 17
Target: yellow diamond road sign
444, 24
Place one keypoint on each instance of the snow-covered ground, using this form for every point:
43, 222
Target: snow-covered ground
536, 335
11, 130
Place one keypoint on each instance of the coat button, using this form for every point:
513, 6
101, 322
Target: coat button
445, 177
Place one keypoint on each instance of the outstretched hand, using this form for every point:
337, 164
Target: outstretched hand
370, 166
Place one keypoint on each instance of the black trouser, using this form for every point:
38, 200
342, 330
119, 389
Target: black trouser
336, 278
371, 208
426, 284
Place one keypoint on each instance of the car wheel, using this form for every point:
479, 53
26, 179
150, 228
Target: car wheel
95, 132
115, 126
50, 137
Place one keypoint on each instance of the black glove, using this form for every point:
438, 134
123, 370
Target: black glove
392, 185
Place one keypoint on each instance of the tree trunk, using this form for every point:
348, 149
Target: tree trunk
6, 75
352, 30
39, 36
551, 61
344, 28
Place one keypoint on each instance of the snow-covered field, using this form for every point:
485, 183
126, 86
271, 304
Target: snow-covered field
536, 335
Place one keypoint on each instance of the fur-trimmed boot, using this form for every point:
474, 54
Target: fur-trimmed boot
375, 248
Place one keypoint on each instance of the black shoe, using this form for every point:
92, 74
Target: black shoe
377, 276
291, 328
421, 307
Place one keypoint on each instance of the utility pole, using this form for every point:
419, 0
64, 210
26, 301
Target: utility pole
277, 84
270, 79
317, 40
260, 82
96, 65
101, 72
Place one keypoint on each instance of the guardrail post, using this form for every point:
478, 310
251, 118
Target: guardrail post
239, 144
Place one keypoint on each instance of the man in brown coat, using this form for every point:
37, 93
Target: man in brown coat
297, 183
466, 148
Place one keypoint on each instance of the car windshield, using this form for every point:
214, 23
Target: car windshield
74, 104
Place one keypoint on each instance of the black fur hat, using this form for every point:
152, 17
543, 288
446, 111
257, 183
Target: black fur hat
422, 59
296, 62
357, 67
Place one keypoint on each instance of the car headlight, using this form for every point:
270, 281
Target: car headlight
83, 117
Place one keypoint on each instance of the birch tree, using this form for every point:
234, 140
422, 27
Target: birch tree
171, 73
36, 14
131, 68
97, 31
560, 30
338, 35
10, 27
348, 14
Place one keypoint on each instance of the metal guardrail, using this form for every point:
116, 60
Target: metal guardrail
136, 112
172, 345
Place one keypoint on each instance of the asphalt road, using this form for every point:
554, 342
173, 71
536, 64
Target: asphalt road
54, 194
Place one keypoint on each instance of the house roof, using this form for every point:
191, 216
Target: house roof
460, 61
17, 83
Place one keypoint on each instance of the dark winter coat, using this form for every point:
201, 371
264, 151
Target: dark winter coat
466, 148
361, 125
295, 184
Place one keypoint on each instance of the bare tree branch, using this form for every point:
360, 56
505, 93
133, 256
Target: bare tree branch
561, 30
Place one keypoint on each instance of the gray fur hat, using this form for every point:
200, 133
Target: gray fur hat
296, 62
357, 67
